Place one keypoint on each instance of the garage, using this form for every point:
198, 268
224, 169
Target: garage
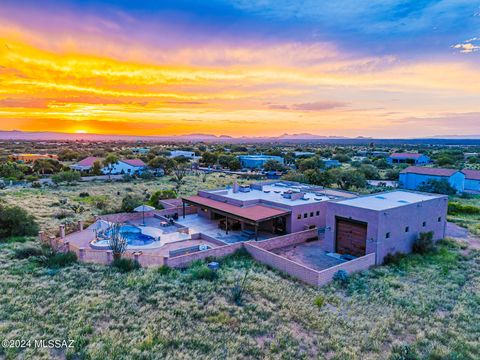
351, 237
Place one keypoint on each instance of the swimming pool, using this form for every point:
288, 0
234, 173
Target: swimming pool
132, 234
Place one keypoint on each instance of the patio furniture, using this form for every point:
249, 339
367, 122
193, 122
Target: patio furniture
164, 223
143, 209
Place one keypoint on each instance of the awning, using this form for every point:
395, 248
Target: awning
254, 213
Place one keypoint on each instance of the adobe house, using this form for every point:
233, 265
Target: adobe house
472, 180
280, 207
383, 223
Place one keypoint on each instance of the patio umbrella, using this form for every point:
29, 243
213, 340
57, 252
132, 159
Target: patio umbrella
143, 209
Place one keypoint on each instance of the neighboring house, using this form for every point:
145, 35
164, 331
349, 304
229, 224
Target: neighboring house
86, 164
472, 180
28, 158
127, 166
303, 154
408, 158
257, 161
187, 154
414, 176
330, 163
384, 223
140, 150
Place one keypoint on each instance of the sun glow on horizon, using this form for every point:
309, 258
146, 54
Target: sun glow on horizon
81, 131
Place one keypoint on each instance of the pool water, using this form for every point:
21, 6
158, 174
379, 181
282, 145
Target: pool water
134, 235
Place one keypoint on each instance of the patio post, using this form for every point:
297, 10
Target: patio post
62, 231
226, 225
256, 231
183, 209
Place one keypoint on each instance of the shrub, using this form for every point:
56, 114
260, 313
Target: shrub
456, 208
27, 251
238, 288
319, 301
161, 195
393, 258
59, 260
130, 202
403, 352
341, 276
164, 270
202, 272
125, 265
36, 185
437, 187
84, 195
15, 221
424, 244
66, 176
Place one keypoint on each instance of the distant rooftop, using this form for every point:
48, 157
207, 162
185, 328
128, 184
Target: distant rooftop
471, 174
388, 200
429, 171
405, 155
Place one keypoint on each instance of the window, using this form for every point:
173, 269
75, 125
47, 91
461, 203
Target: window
311, 214
318, 213
305, 215
439, 219
424, 224
407, 228
387, 235
299, 216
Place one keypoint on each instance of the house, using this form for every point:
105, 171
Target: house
383, 223
28, 158
331, 163
86, 164
258, 161
187, 154
408, 158
415, 176
472, 180
277, 207
126, 166
140, 150
303, 154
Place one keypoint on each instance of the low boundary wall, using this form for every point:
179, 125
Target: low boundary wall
184, 260
287, 240
304, 273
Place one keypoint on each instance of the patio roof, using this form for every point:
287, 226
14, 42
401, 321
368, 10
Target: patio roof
254, 213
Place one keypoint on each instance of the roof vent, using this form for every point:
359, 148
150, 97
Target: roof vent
380, 197
403, 201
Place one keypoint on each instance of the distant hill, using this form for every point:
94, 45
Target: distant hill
285, 138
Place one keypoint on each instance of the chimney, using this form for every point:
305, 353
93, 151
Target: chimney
235, 187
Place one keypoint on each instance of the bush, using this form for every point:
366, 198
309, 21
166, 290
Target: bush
393, 259
59, 260
319, 301
27, 251
130, 202
36, 185
164, 270
66, 176
437, 187
161, 195
202, 272
341, 277
238, 288
84, 195
456, 208
15, 221
403, 352
424, 244
125, 265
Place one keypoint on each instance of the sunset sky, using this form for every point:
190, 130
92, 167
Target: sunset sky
382, 68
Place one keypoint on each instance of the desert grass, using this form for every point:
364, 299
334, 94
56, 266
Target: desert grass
469, 221
427, 306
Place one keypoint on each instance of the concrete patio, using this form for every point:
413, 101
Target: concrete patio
198, 224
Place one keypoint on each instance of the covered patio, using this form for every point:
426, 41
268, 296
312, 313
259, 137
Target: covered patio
249, 221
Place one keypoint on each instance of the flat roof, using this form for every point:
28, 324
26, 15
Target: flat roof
273, 192
254, 213
388, 200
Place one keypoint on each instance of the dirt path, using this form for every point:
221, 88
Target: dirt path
457, 232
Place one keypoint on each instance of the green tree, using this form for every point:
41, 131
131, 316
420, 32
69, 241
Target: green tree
161, 195
273, 165
369, 171
162, 162
348, 179
209, 158
46, 166
437, 187
130, 202
110, 161
97, 168
15, 221
313, 162
178, 177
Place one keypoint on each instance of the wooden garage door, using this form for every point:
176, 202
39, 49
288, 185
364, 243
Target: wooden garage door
351, 237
